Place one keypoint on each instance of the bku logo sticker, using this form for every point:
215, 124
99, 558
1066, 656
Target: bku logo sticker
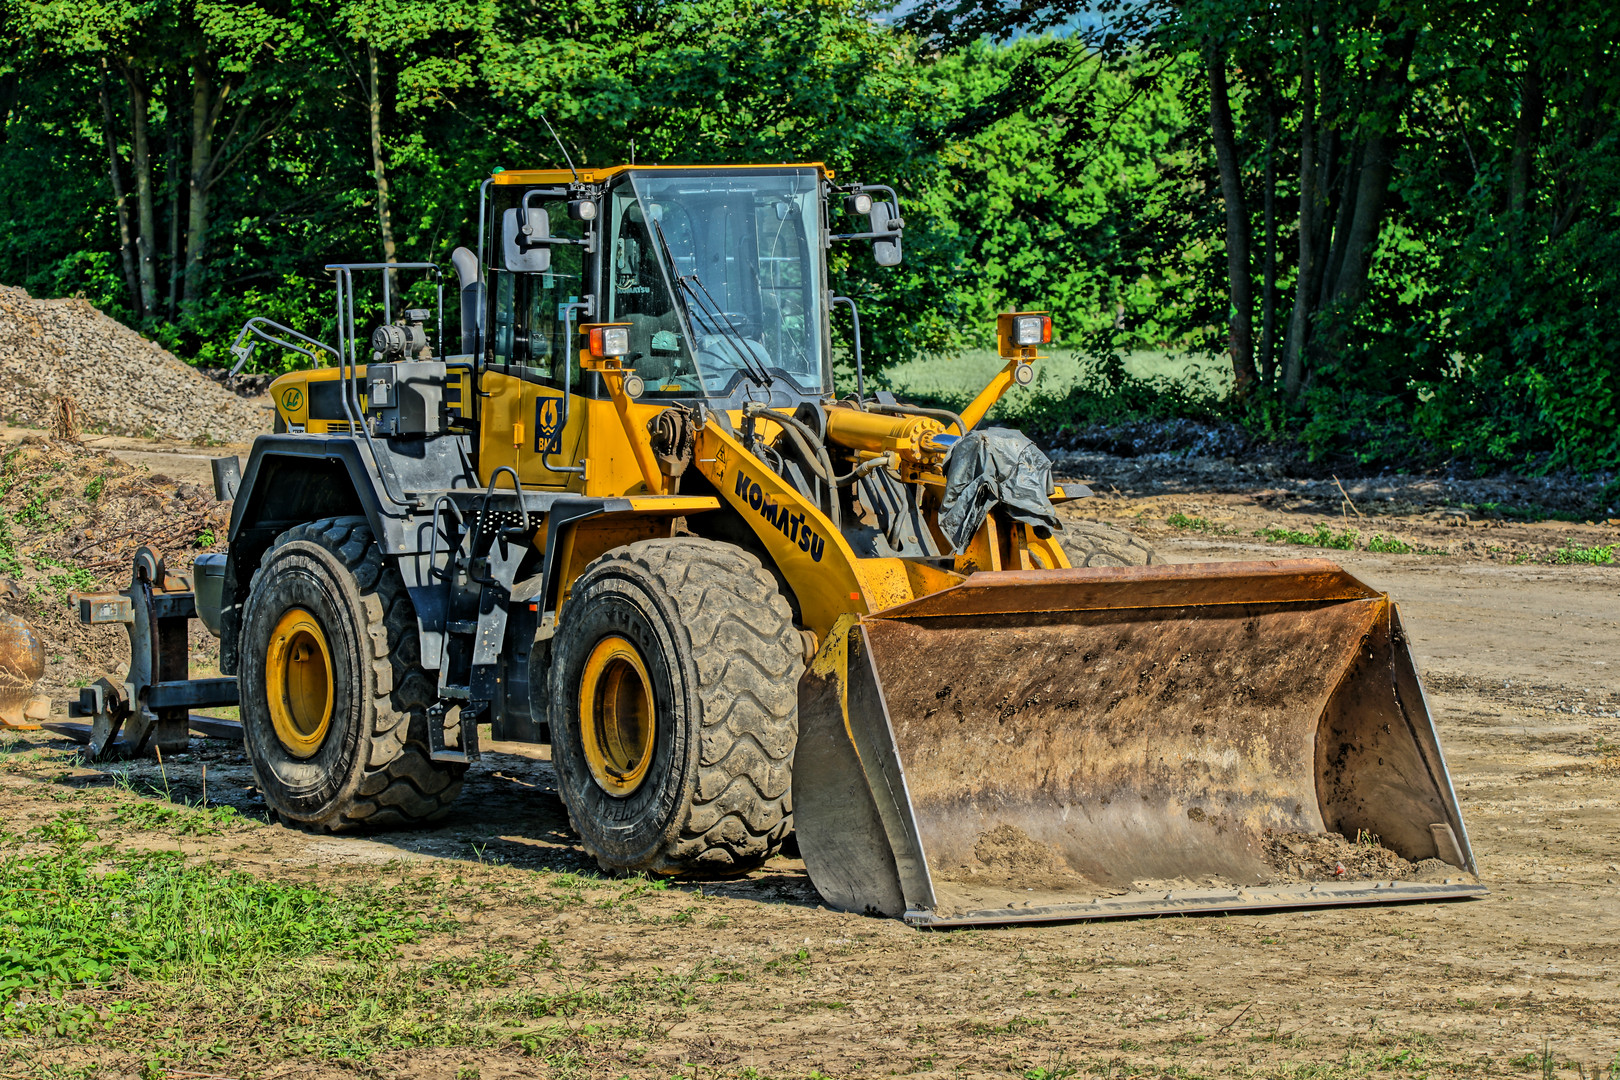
547, 429
791, 524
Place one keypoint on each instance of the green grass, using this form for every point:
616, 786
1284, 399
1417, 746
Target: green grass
957, 379
1323, 536
76, 915
177, 820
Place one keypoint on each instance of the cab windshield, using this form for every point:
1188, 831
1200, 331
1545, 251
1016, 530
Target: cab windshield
719, 279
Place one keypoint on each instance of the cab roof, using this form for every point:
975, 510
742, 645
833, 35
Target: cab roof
597, 176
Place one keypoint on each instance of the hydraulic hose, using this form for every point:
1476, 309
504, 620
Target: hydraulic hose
865, 467
811, 449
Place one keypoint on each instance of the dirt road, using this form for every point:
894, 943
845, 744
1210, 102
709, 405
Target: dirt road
752, 978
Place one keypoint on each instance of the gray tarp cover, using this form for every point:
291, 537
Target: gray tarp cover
996, 465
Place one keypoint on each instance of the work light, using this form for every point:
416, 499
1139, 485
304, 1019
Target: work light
860, 203
610, 341
1032, 330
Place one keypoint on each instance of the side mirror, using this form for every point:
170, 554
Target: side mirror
886, 224
525, 239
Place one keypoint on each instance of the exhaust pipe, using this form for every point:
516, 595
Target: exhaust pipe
472, 300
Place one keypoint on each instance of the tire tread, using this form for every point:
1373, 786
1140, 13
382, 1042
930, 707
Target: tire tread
400, 784
1088, 542
748, 657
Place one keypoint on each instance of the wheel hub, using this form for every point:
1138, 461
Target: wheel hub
616, 716
298, 683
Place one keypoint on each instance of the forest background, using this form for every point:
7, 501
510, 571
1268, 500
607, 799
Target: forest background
1392, 222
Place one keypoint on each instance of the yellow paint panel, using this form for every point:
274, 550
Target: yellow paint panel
512, 415
673, 504
823, 571
596, 176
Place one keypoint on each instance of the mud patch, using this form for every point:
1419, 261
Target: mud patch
1007, 855
1299, 856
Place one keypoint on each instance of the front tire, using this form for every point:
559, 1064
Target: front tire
674, 702
1097, 543
334, 698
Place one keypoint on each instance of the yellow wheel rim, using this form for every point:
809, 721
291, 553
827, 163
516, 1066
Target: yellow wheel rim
298, 682
616, 716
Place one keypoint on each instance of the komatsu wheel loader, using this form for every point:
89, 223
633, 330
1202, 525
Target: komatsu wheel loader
629, 517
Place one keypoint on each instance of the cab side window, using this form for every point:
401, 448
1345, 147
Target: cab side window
526, 318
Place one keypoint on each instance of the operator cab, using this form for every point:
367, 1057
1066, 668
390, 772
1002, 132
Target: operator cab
717, 274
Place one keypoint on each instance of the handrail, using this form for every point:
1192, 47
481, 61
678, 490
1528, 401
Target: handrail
855, 315
567, 382
433, 541
254, 326
349, 360
489, 492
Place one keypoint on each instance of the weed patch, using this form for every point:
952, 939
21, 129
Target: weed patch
1388, 545
1323, 536
178, 820
1602, 555
1181, 521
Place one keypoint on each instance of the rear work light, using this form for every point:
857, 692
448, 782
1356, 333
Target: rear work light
606, 341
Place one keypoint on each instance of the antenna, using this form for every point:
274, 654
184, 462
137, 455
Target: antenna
561, 147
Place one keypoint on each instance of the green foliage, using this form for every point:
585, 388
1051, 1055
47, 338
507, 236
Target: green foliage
1388, 545
1602, 555
146, 814
1041, 167
1322, 536
10, 564
1179, 520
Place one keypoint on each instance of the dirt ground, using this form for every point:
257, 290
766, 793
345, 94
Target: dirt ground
1519, 655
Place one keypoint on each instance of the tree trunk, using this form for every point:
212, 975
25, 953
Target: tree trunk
171, 179
126, 243
1299, 319
1240, 281
1362, 238
1532, 110
1375, 164
1268, 294
10, 87
146, 210
379, 168
1345, 208
202, 160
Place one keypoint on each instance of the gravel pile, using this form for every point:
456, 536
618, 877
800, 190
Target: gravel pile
120, 382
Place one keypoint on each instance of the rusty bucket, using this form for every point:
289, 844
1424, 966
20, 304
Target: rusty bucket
1071, 744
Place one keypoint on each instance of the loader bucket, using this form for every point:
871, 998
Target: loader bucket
1092, 743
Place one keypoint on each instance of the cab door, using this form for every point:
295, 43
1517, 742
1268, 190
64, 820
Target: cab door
523, 422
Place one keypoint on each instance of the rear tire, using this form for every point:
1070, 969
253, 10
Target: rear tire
368, 766
719, 668
1096, 543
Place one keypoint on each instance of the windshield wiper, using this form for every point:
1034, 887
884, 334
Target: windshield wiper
687, 292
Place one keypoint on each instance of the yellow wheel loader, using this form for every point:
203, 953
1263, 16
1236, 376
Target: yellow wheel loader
630, 517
